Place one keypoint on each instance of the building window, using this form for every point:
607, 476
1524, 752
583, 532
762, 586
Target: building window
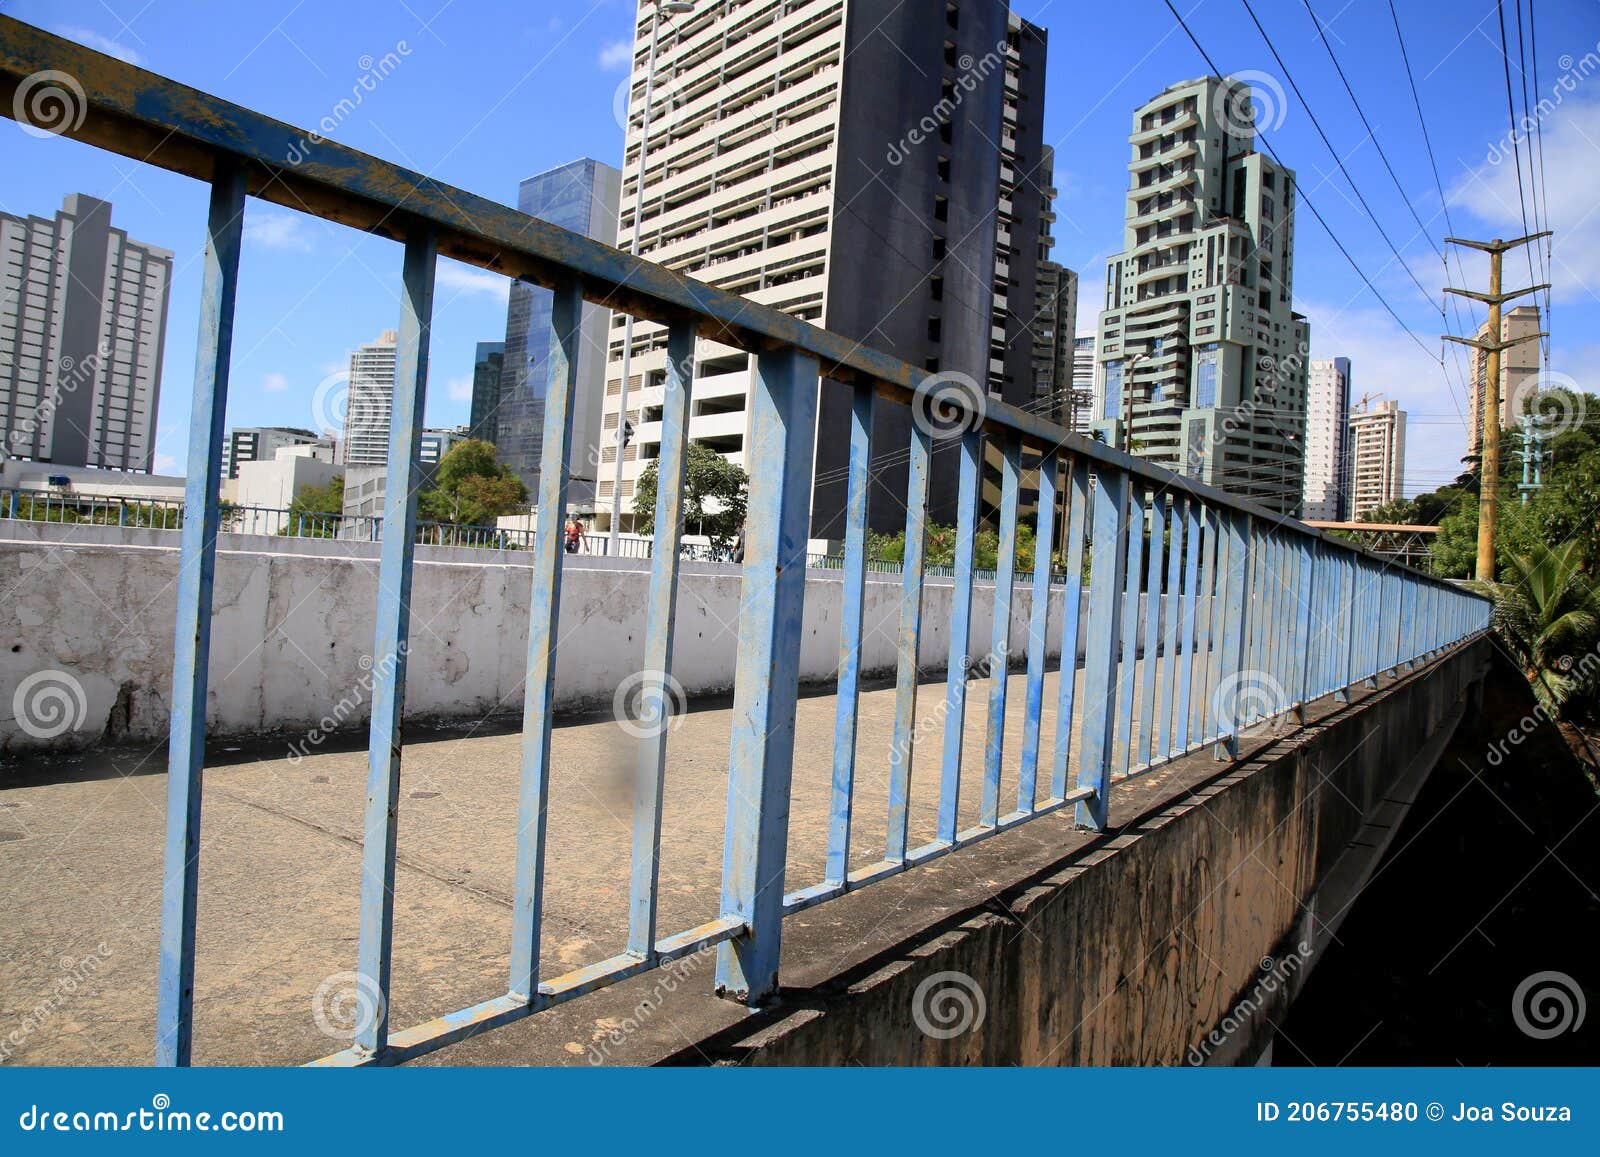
1111, 405
1205, 381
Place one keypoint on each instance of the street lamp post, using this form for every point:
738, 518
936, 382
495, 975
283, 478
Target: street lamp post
669, 7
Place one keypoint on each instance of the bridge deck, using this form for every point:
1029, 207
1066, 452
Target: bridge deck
80, 857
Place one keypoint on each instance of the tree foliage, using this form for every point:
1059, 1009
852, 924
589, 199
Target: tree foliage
939, 547
714, 495
471, 487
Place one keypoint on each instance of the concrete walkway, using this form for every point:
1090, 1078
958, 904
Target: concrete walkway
80, 869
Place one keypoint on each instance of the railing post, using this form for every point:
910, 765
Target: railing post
1243, 553
544, 607
783, 419
1107, 568
192, 637
1306, 589
391, 637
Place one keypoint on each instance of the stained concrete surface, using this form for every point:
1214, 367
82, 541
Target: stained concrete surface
80, 869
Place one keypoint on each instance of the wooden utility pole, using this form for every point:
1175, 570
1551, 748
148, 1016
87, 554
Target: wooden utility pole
1489, 413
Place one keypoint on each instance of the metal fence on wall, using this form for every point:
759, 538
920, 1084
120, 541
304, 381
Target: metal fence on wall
1255, 604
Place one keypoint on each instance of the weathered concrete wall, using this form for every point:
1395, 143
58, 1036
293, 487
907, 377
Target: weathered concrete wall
1199, 916
293, 628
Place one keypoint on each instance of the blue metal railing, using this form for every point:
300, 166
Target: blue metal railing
1247, 614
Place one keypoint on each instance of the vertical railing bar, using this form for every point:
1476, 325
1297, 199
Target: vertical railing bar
1077, 502
191, 653
393, 632
1172, 599
960, 634
1123, 746
1214, 561
1301, 653
657, 697
1240, 537
544, 608
782, 424
910, 639
1152, 628
1039, 630
1189, 626
1000, 629
1107, 563
852, 596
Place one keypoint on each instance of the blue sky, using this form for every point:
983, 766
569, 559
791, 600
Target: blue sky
486, 93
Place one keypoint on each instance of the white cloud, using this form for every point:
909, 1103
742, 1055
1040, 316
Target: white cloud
463, 279
1571, 155
616, 54
459, 389
89, 38
165, 464
275, 383
281, 230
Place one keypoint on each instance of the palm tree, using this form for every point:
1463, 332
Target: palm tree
1549, 618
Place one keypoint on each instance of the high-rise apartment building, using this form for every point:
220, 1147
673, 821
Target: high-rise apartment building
1202, 359
1081, 411
1327, 424
486, 370
262, 443
1519, 371
866, 165
1055, 313
1377, 456
370, 402
83, 320
582, 197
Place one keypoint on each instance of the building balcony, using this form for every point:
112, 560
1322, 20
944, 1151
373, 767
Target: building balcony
1185, 120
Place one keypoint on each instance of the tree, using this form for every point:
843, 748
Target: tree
471, 487
939, 547
1547, 614
1398, 512
310, 510
714, 494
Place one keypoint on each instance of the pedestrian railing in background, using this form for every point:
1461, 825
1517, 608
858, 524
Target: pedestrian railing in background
1260, 613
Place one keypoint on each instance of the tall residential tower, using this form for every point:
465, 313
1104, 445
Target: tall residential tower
867, 165
1377, 456
83, 318
1202, 359
1327, 422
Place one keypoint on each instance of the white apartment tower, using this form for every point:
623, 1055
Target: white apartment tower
1202, 359
1327, 423
370, 402
866, 165
1519, 371
83, 318
1377, 456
